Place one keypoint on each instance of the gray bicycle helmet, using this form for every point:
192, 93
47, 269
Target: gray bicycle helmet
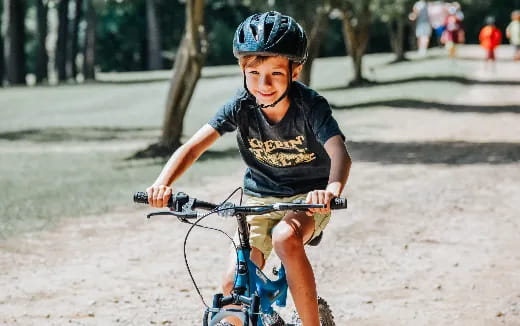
271, 34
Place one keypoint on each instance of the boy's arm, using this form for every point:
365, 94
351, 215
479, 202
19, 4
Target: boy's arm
340, 163
179, 162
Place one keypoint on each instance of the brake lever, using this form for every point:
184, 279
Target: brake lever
183, 215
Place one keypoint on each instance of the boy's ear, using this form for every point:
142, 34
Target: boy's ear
296, 72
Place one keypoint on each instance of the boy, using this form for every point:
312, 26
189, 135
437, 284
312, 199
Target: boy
513, 33
291, 144
490, 38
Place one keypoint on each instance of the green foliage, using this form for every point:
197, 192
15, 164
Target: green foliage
389, 10
121, 33
222, 20
121, 27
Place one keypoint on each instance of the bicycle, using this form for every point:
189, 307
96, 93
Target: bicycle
253, 291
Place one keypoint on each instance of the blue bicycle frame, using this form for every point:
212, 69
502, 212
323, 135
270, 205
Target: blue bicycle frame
252, 288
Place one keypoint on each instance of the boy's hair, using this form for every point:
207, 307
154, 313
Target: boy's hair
256, 60
490, 20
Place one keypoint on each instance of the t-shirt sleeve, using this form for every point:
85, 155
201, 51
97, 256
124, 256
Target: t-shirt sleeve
323, 124
225, 119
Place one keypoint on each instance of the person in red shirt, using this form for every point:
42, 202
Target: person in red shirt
490, 38
453, 32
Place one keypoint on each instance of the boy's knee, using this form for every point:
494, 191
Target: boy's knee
286, 239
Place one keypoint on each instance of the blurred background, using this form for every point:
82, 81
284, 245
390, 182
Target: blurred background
63, 41
95, 95
111, 81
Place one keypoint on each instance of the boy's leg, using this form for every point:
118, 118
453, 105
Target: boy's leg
289, 237
517, 53
228, 278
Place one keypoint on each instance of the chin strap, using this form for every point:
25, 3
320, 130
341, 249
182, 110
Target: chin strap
263, 106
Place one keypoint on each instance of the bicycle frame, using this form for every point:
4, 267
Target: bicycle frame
252, 288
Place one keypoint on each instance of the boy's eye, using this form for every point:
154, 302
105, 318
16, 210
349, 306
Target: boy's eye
277, 73
253, 72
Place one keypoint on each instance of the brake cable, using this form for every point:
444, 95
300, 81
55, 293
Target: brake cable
196, 223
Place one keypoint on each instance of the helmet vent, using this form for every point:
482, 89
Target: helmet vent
241, 36
268, 29
254, 31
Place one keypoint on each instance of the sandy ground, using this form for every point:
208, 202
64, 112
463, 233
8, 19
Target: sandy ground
431, 237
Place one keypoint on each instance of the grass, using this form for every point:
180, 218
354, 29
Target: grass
63, 149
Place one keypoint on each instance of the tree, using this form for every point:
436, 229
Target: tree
186, 72
314, 20
356, 16
75, 38
90, 42
63, 38
395, 14
14, 31
2, 65
42, 59
153, 39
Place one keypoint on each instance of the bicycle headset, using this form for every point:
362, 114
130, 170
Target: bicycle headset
271, 34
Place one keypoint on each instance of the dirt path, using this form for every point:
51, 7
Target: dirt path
421, 243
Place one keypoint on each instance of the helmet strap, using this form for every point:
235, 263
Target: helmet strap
263, 106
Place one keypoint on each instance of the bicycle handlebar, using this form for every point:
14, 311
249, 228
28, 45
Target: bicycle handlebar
181, 202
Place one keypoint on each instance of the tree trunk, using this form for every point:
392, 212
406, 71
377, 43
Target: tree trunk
186, 72
63, 37
2, 64
397, 31
42, 58
14, 41
356, 39
74, 39
90, 43
318, 27
154, 40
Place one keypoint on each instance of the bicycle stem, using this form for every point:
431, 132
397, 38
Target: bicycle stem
243, 231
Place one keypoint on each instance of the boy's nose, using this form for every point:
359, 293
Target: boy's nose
265, 80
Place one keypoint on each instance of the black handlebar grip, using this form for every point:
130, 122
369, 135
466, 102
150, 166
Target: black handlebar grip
142, 198
338, 203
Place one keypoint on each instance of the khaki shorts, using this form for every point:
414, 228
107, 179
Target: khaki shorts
260, 226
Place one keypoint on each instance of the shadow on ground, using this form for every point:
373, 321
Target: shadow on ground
418, 104
78, 134
442, 79
451, 153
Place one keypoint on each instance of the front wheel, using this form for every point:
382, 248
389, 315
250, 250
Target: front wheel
326, 317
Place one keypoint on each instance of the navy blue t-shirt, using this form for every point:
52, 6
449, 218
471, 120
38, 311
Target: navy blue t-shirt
284, 158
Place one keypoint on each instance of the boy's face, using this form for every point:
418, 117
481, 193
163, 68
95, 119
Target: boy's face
268, 80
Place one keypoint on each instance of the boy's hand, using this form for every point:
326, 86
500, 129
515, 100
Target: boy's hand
319, 197
158, 195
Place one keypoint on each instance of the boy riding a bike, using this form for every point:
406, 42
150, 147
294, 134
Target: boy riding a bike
291, 144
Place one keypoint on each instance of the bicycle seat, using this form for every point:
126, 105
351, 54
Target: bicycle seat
316, 241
